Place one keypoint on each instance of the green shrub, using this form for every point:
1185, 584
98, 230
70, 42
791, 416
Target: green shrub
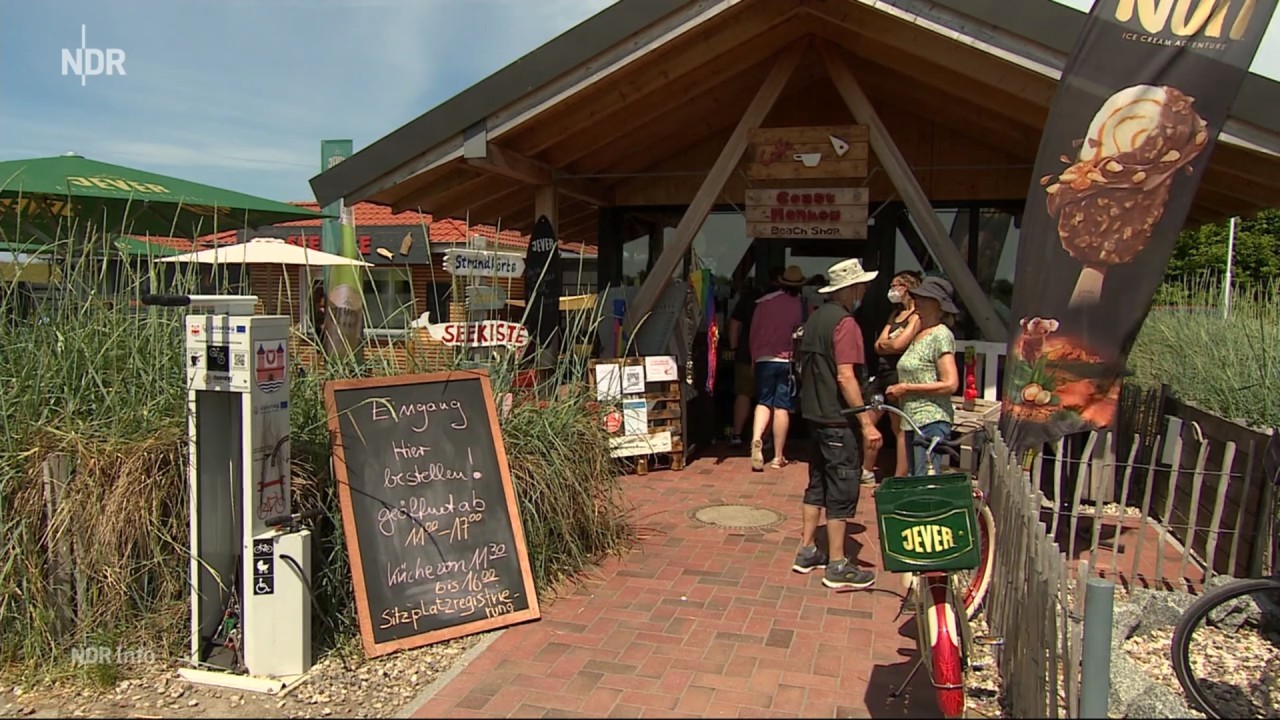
1229, 366
87, 378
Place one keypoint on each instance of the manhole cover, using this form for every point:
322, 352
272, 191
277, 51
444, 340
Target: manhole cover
737, 517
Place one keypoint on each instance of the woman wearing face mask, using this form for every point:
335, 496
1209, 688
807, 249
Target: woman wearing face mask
894, 339
927, 376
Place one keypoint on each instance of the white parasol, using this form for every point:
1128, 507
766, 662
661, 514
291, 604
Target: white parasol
264, 251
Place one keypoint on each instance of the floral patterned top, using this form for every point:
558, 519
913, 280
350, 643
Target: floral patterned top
919, 366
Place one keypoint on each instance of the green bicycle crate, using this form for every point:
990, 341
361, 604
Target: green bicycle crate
928, 523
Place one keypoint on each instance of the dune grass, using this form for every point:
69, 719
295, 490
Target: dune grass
88, 379
1229, 366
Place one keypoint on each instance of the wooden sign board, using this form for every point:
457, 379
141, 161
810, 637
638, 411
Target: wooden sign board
808, 153
483, 263
835, 213
433, 532
486, 297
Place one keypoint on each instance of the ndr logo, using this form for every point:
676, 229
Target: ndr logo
85, 61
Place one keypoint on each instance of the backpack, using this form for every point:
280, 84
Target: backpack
797, 338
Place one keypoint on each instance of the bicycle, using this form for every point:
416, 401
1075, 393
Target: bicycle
1220, 609
948, 513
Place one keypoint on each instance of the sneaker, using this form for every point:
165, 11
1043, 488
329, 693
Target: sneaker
845, 576
868, 477
809, 559
735, 440
757, 455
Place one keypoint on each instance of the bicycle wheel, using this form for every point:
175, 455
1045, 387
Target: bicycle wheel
941, 645
974, 583
1242, 618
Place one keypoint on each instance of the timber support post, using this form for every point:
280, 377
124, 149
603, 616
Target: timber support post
696, 214
899, 172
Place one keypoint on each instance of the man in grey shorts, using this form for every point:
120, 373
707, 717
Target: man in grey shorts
830, 352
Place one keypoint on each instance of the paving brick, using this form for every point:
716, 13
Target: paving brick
648, 699
600, 701
746, 629
695, 699
790, 698
531, 711
755, 700
779, 638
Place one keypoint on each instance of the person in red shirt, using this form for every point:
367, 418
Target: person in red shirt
776, 319
832, 359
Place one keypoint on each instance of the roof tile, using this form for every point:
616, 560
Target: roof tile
369, 214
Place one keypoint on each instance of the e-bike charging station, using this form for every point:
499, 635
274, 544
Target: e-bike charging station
250, 577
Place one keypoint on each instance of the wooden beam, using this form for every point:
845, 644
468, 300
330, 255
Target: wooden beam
696, 214
701, 53
492, 159
545, 203
860, 18
502, 204
989, 92
713, 114
457, 203
966, 285
635, 114
454, 176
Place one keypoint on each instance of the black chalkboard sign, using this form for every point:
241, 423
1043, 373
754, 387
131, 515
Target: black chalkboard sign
435, 540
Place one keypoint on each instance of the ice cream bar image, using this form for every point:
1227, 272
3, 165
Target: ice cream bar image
406, 243
386, 253
1110, 198
809, 159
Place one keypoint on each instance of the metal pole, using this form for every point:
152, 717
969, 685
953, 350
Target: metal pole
1231, 251
1095, 666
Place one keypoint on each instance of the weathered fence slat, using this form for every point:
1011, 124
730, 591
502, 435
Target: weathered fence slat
1215, 523
1165, 519
1058, 452
1098, 466
1197, 489
1082, 470
1122, 512
1246, 487
1146, 505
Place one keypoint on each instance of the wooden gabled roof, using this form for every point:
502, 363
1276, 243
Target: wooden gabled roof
631, 106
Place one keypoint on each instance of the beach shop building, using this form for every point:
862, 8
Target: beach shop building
674, 134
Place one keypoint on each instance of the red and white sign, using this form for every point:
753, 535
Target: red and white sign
480, 334
269, 365
613, 421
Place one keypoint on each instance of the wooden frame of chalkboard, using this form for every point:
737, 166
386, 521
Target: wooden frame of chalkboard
454, 584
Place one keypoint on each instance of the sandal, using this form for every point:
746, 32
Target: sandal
779, 463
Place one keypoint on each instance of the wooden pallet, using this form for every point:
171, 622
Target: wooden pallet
664, 416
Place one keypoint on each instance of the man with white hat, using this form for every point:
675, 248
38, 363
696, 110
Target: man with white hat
830, 352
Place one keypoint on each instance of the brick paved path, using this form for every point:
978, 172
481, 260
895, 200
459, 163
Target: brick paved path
705, 622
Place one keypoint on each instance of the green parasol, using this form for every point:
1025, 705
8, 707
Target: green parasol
47, 196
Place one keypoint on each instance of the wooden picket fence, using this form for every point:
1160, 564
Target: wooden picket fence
1027, 602
1169, 513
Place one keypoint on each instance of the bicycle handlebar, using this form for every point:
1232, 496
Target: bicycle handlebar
294, 519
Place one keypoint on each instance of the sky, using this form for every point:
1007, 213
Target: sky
239, 93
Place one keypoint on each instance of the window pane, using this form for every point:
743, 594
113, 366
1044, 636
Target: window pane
388, 299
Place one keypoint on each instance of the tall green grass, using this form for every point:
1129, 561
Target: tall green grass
85, 377
1229, 366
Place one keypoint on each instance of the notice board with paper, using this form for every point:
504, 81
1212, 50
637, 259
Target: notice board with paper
436, 545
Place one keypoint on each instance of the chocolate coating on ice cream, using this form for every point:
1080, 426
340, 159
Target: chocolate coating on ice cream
1108, 202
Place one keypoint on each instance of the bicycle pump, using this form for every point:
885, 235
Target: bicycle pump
250, 611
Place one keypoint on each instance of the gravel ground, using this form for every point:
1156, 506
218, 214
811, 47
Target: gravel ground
982, 684
1245, 664
350, 687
